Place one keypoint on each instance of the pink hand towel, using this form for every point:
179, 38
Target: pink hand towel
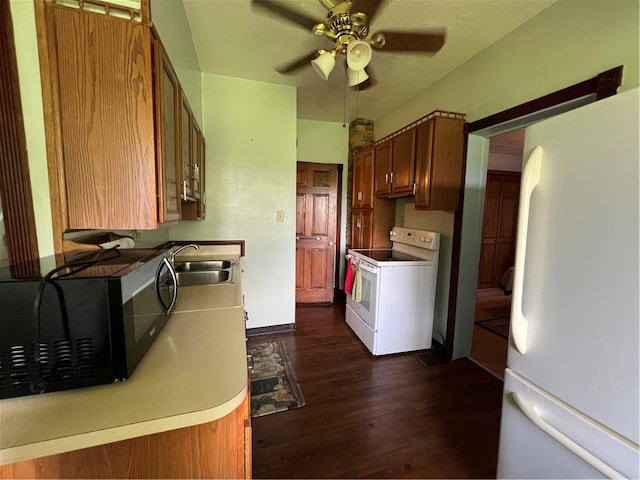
348, 282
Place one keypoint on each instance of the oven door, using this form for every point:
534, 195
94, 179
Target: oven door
366, 307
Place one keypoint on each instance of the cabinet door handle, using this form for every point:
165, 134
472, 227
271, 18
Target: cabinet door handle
358, 225
391, 178
184, 190
414, 189
386, 178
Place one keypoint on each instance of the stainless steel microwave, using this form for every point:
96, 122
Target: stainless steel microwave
89, 320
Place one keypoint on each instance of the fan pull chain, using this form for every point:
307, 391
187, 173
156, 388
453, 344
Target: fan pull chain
344, 104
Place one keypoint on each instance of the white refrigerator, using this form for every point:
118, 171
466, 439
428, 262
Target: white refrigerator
571, 392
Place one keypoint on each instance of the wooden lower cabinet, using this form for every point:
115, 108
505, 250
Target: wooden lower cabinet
218, 449
370, 227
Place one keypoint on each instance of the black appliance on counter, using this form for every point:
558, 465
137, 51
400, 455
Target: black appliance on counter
87, 320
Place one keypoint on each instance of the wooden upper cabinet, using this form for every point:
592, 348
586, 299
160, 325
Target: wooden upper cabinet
395, 165
167, 110
196, 135
201, 165
439, 152
113, 122
100, 77
186, 120
382, 168
362, 191
403, 163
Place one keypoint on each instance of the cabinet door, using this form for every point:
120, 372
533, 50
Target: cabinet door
203, 193
403, 163
185, 144
194, 171
361, 228
424, 156
167, 105
382, 169
500, 217
105, 119
439, 152
362, 191
367, 178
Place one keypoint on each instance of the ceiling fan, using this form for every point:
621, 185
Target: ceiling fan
347, 26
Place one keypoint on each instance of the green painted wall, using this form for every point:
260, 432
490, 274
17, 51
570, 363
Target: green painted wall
570, 41
171, 23
250, 129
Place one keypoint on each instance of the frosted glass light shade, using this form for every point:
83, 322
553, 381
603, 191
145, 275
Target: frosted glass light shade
323, 65
356, 77
358, 54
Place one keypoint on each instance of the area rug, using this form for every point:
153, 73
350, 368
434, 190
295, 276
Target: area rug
273, 383
499, 326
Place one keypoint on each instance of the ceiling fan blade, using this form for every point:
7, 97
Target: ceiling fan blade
297, 64
300, 19
428, 42
368, 7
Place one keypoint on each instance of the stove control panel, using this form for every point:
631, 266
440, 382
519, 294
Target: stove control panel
415, 237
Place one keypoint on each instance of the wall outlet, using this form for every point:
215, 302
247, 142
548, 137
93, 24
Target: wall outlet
280, 216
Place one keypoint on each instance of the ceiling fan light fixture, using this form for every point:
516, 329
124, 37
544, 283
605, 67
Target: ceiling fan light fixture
323, 65
356, 77
358, 54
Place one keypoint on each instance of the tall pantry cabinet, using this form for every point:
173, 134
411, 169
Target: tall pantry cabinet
371, 218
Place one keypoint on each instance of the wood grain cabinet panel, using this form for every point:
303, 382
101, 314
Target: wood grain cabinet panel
167, 111
499, 223
403, 163
218, 449
117, 122
382, 168
105, 119
395, 165
186, 157
439, 152
362, 186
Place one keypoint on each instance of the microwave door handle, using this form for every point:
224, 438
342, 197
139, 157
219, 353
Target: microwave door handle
174, 279
157, 285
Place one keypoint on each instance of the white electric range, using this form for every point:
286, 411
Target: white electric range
398, 288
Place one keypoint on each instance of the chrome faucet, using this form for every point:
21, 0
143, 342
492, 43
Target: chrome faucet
192, 245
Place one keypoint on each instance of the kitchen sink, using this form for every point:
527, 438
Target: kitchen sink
202, 265
205, 272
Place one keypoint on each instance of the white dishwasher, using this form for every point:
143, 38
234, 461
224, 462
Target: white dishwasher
398, 287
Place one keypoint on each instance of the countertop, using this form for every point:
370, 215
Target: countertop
195, 372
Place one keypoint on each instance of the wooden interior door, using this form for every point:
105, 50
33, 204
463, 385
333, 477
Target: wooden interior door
316, 219
498, 227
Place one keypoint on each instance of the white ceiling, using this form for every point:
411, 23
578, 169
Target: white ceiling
509, 143
233, 39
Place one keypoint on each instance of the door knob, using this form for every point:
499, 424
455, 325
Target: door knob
330, 243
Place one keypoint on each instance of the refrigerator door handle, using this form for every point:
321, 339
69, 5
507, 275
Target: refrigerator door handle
530, 179
530, 412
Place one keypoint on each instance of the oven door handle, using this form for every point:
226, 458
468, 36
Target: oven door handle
368, 268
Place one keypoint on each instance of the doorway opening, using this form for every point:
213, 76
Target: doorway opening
497, 252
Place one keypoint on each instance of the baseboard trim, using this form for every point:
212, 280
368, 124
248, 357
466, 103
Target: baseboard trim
285, 328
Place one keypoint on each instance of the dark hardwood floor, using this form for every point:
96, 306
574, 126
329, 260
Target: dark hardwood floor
384, 417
